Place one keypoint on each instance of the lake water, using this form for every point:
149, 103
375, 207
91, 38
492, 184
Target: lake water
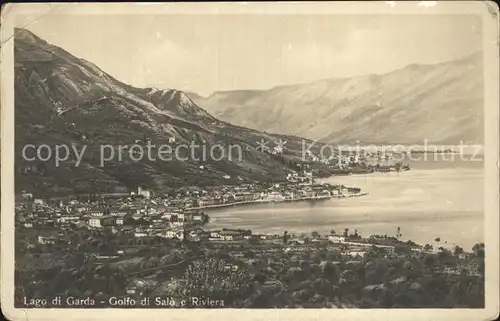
435, 199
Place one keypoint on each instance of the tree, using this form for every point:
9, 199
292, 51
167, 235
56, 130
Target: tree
445, 256
428, 247
478, 249
88, 277
285, 237
211, 279
315, 235
429, 261
346, 232
331, 272
374, 252
250, 254
458, 250
437, 239
332, 232
400, 249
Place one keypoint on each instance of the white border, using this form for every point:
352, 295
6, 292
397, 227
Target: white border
487, 10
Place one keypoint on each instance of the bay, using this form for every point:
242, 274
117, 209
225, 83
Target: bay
436, 198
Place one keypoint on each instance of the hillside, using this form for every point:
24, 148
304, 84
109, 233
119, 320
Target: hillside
442, 103
61, 99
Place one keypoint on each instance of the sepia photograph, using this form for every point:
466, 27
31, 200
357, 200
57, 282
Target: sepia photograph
262, 161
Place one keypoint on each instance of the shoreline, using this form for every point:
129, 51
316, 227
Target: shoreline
279, 201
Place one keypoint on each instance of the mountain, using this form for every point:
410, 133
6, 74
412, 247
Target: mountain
442, 103
62, 99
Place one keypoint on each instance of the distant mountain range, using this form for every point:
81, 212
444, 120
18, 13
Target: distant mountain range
61, 99
442, 103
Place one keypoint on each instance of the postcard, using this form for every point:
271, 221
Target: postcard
250, 160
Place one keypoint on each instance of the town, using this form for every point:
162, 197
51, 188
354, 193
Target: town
147, 245
142, 213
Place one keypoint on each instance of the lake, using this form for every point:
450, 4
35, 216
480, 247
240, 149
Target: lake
436, 198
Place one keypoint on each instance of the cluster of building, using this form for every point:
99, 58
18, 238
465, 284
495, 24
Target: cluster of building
362, 161
142, 213
139, 214
298, 187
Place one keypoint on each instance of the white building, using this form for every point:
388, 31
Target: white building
95, 222
28, 224
336, 239
170, 234
275, 196
174, 233
214, 236
27, 195
39, 201
167, 215
356, 253
143, 192
64, 219
46, 240
97, 212
176, 224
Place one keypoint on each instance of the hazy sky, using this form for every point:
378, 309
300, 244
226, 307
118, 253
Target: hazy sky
206, 53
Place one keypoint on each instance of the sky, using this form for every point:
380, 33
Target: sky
207, 53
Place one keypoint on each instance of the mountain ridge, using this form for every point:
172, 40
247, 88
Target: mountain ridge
349, 102
477, 55
62, 99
